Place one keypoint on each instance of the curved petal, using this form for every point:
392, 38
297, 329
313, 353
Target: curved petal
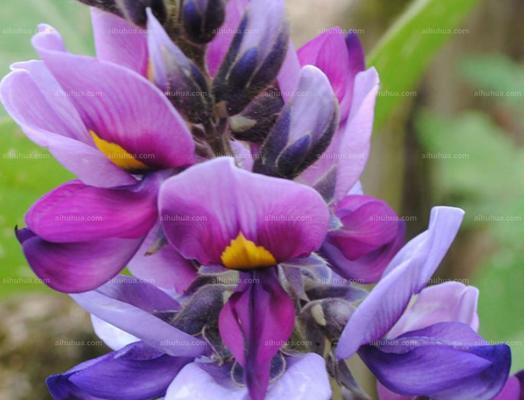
40, 106
164, 267
115, 338
407, 274
77, 267
447, 302
444, 361
75, 213
131, 305
120, 42
267, 211
344, 160
305, 379
136, 372
370, 236
254, 324
340, 57
125, 109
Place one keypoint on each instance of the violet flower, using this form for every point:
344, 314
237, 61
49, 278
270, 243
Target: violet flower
430, 349
245, 225
105, 122
141, 324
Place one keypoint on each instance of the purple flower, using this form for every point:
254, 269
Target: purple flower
101, 120
140, 323
245, 225
431, 348
113, 129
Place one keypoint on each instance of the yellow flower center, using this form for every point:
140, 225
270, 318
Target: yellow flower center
117, 154
244, 254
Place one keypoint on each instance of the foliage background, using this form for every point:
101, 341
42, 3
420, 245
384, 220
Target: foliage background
449, 130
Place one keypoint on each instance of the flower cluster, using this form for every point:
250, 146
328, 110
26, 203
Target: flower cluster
221, 167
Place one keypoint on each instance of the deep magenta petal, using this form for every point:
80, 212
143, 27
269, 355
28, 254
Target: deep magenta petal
75, 212
255, 323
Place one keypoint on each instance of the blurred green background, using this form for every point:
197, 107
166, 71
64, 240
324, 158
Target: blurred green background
449, 130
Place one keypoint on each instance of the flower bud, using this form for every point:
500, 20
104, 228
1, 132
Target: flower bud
303, 130
202, 18
255, 122
255, 56
175, 74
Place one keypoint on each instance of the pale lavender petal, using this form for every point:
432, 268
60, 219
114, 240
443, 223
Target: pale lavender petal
164, 267
136, 372
243, 155
43, 110
347, 154
119, 41
305, 379
131, 304
254, 324
115, 338
125, 109
267, 211
407, 274
447, 302
289, 74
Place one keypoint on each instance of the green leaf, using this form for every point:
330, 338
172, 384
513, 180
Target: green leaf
27, 172
405, 51
496, 78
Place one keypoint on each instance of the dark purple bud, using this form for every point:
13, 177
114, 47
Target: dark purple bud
304, 128
255, 122
256, 54
202, 309
178, 76
346, 292
202, 19
106, 5
339, 370
323, 320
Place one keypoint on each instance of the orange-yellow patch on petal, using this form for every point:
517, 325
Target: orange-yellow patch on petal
244, 254
117, 154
